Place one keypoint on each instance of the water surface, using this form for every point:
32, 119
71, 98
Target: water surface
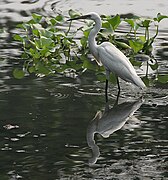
61, 128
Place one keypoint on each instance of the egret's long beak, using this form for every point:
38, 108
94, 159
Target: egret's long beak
79, 17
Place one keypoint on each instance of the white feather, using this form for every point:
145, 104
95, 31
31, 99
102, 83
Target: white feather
115, 61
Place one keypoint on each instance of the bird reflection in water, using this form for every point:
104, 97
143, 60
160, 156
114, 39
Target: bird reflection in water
108, 122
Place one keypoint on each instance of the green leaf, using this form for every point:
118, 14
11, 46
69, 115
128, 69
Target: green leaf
73, 14
37, 43
113, 78
21, 26
122, 45
142, 38
34, 53
163, 78
154, 66
146, 80
136, 45
53, 21
18, 73
59, 18
32, 69
45, 52
101, 77
131, 22
46, 33
146, 22
83, 42
86, 32
134, 62
35, 32
107, 25
45, 42
36, 17
24, 55
160, 17
41, 68
18, 38
115, 21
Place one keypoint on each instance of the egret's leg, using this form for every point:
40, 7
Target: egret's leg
106, 87
118, 95
106, 90
118, 83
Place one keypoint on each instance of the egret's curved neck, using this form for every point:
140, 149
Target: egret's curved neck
92, 35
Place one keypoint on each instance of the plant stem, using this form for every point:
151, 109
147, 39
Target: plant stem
147, 68
68, 28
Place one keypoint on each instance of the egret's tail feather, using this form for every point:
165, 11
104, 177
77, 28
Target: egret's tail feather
139, 83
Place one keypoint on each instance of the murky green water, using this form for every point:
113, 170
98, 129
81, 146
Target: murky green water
61, 128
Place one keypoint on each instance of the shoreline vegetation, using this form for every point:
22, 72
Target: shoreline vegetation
50, 48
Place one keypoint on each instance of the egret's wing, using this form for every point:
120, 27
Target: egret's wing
115, 61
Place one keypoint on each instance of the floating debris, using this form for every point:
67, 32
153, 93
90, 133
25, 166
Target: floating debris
9, 126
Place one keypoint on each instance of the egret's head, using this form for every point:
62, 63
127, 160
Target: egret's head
92, 16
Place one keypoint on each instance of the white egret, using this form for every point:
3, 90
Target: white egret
112, 58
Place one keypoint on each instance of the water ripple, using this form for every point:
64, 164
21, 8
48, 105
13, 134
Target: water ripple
60, 95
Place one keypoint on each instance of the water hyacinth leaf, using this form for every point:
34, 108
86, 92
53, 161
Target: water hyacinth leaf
45, 52
46, 33
107, 26
146, 23
37, 26
113, 78
136, 45
134, 62
25, 55
37, 43
86, 32
17, 37
53, 21
101, 77
35, 32
163, 78
18, 73
154, 66
33, 43
41, 68
88, 64
146, 80
83, 42
31, 69
45, 42
142, 38
36, 17
160, 17
122, 45
23, 26
34, 53
59, 18
73, 14
115, 21
131, 22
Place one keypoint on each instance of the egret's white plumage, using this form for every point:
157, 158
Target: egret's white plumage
115, 61
111, 57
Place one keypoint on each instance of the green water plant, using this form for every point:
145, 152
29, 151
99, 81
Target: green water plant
50, 46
